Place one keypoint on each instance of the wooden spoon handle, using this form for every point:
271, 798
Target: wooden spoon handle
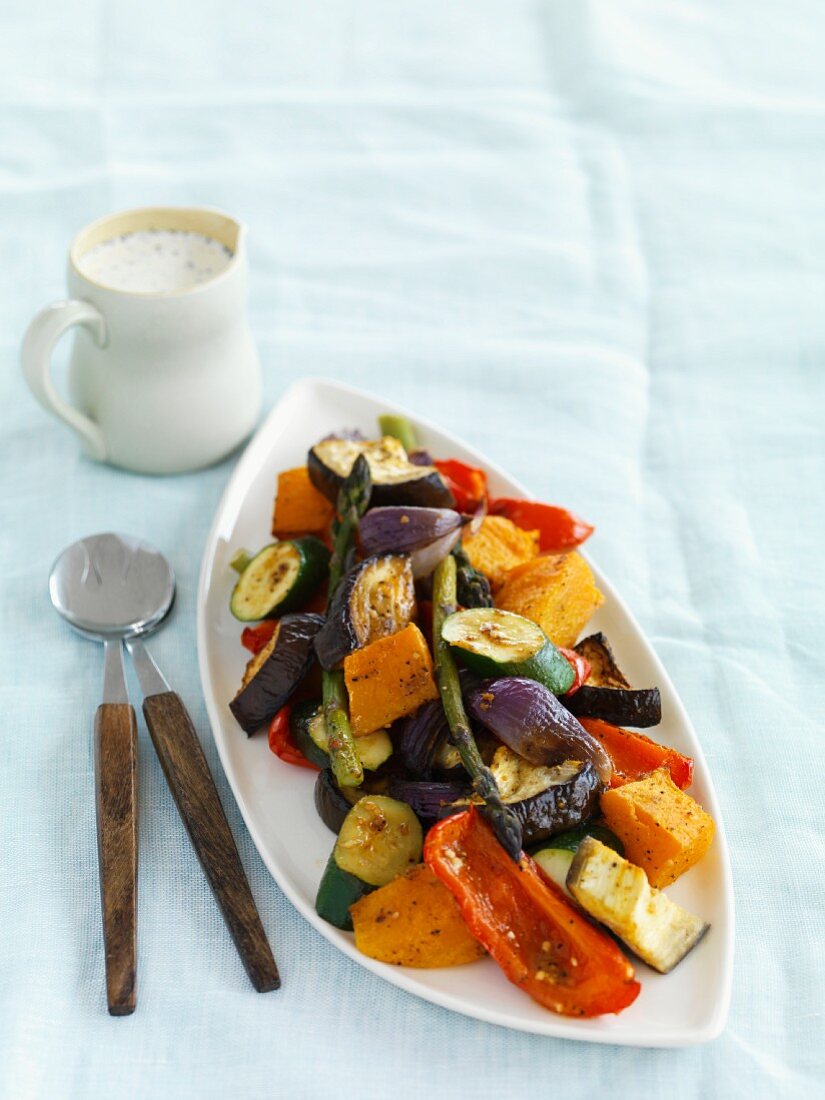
194, 791
116, 797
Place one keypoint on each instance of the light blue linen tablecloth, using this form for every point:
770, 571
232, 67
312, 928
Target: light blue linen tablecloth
587, 236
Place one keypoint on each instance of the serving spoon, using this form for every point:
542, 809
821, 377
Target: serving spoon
114, 588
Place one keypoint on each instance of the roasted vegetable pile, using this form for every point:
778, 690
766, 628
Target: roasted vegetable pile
417, 646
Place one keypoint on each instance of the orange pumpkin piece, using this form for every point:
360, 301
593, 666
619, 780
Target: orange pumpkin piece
663, 829
499, 546
413, 921
388, 679
299, 508
557, 591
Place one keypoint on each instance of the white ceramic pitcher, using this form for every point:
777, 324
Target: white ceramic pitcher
159, 383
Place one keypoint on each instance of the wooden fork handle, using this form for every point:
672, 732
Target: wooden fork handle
194, 791
116, 798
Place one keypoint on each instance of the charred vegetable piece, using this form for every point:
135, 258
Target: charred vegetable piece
395, 480
379, 839
400, 530
640, 707
375, 598
306, 726
430, 800
505, 823
413, 921
555, 856
546, 800
418, 737
540, 941
498, 547
299, 508
559, 530
273, 674
472, 587
663, 829
282, 743
332, 802
388, 680
468, 484
557, 592
498, 643
604, 672
633, 756
618, 894
310, 734
533, 723
353, 500
280, 578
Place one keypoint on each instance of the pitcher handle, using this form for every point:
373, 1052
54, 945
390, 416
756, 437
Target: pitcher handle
36, 356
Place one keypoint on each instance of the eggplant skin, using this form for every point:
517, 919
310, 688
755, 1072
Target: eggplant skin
374, 599
641, 707
395, 480
273, 675
331, 804
568, 797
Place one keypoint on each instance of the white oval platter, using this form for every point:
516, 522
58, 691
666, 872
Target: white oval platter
685, 1007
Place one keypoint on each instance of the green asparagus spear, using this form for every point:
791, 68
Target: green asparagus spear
353, 501
400, 428
504, 821
473, 587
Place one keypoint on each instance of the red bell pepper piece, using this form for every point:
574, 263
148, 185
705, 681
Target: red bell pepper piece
581, 668
281, 742
467, 483
559, 530
635, 756
543, 945
255, 638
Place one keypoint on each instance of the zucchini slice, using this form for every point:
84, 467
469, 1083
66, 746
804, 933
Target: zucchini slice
497, 643
280, 578
379, 840
618, 894
395, 480
374, 599
310, 734
273, 674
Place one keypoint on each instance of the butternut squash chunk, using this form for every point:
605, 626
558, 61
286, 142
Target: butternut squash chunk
413, 921
663, 829
299, 508
499, 546
388, 679
558, 592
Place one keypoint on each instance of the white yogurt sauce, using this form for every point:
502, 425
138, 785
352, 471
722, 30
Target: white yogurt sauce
155, 260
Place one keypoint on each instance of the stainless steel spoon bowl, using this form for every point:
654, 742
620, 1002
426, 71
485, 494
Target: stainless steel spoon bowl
112, 588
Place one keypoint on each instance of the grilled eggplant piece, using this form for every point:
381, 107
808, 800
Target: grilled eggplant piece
608, 694
640, 708
546, 800
395, 480
618, 894
273, 674
332, 802
374, 599
604, 672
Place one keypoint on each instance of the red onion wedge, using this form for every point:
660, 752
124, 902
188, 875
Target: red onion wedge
531, 721
399, 530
